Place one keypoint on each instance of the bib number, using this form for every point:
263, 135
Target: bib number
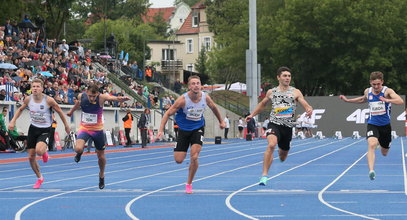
89, 119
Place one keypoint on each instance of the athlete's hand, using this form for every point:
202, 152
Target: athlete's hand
383, 99
11, 126
159, 134
248, 118
69, 114
67, 129
222, 125
308, 112
124, 98
343, 98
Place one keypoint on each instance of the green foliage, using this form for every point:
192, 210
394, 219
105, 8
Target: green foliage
331, 46
200, 65
226, 63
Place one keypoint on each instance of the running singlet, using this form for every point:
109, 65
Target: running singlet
40, 113
191, 117
283, 107
379, 111
92, 113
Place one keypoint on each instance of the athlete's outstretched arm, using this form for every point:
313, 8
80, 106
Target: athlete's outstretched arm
305, 105
179, 103
215, 111
259, 108
18, 113
76, 106
360, 99
393, 97
51, 102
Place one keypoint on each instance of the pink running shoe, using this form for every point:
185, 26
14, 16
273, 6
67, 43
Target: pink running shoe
188, 188
45, 157
37, 184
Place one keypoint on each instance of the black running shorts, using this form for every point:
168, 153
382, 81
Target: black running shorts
283, 133
36, 135
382, 133
187, 138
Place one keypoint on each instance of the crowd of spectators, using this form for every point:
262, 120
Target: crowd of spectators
66, 69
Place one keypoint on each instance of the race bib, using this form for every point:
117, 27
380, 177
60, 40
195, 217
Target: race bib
377, 108
89, 119
283, 112
195, 114
38, 118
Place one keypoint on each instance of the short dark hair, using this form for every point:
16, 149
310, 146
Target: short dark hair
93, 89
282, 69
376, 75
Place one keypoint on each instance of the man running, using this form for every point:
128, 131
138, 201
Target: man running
40, 107
378, 131
190, 109
91, 126
284, 100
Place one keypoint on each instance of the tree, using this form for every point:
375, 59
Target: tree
200, 65
226, 63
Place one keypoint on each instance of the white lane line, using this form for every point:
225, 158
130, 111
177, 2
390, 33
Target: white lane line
127, 169
229, 198
19, 213
129, 204
403, 156
320, 194
253, 146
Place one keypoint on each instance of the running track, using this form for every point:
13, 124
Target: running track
321, 179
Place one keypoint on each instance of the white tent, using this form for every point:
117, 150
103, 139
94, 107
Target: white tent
237, 87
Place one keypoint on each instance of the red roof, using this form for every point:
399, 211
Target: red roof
166, 13
187, 28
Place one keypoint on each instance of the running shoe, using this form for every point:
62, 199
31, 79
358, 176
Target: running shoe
37, 184
77, 158
45, 157
101, 183
188, 188
372, 175
263, 181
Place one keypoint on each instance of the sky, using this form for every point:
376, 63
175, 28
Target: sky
161, 3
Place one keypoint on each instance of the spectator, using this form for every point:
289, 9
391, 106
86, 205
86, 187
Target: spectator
177, 86
143, 126
227, 122
128, 123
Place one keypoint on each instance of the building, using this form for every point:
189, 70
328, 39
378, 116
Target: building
181, 54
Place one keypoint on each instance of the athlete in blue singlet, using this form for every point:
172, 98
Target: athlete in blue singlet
189, 109
378, 132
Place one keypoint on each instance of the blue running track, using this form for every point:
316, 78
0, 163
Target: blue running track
321, 179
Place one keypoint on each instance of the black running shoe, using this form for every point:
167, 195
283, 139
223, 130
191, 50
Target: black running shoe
101, 183
77, 158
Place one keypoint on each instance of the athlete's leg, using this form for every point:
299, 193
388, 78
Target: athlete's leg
193, 164
372, 142
80, 145
268, 154
33, 162
282, 154
101, 162
179, 156
385, 151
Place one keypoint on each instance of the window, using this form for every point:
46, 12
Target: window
190, 46
168, 54
190, 67
207, 43
195, 19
